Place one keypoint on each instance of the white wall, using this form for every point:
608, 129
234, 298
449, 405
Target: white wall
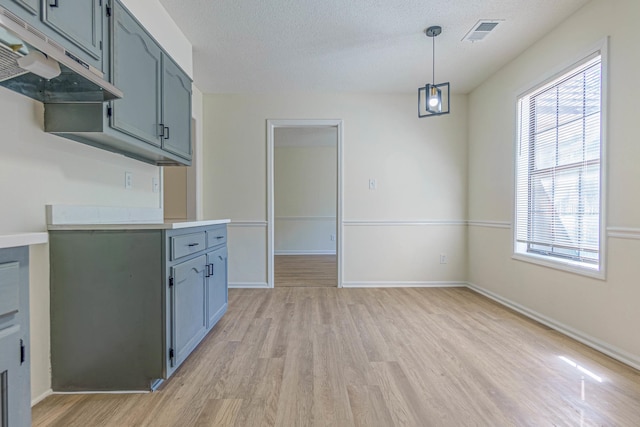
604, 313
420, 166
37, 169
305, 191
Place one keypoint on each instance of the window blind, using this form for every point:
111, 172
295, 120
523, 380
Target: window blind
558, 167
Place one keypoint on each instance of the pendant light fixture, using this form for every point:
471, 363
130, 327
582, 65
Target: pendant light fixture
433, 99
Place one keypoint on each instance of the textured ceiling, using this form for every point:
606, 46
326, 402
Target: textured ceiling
247, 46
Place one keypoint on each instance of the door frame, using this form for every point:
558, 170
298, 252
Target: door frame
272, 125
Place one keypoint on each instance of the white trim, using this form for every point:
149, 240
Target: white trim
247, 224
248, 285
490, 224
403, 284
104, 392
305, 218
595, 343
559, 264
624, 233
40, 398
305, 252
395, 223
271, 126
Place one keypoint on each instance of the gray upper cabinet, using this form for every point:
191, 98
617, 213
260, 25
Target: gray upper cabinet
29, 10
152, 122
31, 6
78, 21
176, 109
137, 67
75, 25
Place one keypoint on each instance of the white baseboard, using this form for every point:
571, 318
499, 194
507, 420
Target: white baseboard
308, 252
248, 285
601, 346
40, 398
403, 284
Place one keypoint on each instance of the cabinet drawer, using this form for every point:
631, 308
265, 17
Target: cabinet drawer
216, 237
9, 291
187, 244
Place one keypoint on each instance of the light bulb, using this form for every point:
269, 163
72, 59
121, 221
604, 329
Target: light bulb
433, 101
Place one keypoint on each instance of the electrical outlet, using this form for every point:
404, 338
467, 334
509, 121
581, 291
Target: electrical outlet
333, 237
155, 184
443, 259
128, 180
373, 184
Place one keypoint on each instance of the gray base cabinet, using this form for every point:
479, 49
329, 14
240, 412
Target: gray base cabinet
15, 388
129, 306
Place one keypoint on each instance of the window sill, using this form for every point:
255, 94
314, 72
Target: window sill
569, 266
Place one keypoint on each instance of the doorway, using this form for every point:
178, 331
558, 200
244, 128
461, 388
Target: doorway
304, 212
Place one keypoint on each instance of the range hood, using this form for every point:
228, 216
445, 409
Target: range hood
21, 45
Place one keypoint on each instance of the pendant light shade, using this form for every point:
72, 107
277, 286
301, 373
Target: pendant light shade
433, 99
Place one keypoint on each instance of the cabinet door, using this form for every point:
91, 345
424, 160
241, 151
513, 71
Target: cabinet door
136, 62
79, 21
176, 109
31, 6
188, 318
12, 407
216, 286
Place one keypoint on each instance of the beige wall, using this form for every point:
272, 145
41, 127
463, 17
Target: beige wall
305, 192
603, 313
420, 166
37, 169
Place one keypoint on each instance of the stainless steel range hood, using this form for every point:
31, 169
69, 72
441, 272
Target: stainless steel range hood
77, 81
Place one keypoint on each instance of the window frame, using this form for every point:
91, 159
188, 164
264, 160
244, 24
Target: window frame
597, 271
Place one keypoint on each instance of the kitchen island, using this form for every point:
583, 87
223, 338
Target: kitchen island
130, 302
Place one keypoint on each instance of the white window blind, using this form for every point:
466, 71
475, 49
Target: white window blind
558, 168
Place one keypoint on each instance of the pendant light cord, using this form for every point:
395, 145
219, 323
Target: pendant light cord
433, 60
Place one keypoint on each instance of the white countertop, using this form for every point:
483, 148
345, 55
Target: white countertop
167, 225
22, 239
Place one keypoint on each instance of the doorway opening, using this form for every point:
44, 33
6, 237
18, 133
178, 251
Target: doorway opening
304, 203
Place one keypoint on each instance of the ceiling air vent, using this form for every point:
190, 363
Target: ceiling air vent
481, 30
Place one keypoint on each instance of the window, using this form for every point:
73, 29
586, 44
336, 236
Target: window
558, 170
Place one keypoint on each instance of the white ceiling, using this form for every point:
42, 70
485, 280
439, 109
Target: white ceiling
257, 46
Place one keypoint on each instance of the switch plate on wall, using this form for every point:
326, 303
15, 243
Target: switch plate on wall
128, 180
373, 184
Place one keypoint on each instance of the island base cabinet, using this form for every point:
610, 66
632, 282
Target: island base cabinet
125, 310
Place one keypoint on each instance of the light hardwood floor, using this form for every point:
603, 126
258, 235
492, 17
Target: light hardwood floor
305, 270
372, 357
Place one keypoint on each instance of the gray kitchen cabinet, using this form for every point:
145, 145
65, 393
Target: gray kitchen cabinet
75, 25
128, 306
186, 300
217, 298
152, 122
79, 22
15, 394
28, 10
176, 109
137, 71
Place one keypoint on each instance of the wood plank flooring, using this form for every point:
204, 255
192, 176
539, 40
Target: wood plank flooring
305, 270
372, 357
